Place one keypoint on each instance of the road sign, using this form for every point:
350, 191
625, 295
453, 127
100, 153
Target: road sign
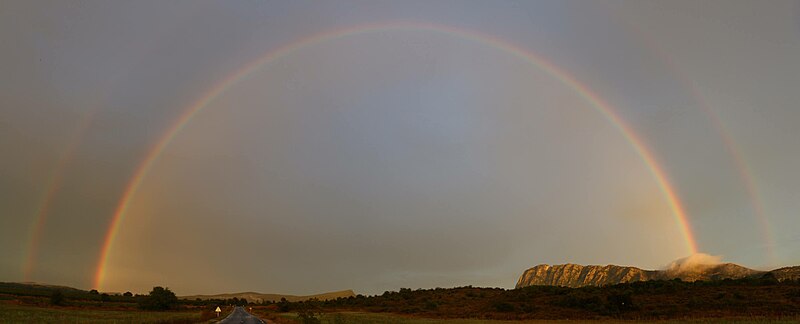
218, 311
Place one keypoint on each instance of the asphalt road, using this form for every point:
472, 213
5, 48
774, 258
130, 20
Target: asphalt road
241, 316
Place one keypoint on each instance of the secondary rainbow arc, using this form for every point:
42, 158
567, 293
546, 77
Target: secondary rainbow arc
563, 76
52, 187
731, 147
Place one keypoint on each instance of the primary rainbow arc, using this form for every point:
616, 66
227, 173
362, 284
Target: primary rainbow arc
564, 77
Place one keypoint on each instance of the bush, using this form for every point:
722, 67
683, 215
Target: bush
430, 305
283, 305
57, 298
339, 319
504, 307
159, 299
620, 302
307, 316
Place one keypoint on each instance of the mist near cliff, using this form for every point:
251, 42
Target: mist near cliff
691, 264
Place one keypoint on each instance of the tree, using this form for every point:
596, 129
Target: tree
159, 299
284, 305
93, 292
57, 298
128, 294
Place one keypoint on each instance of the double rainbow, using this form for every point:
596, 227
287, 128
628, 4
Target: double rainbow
541, 63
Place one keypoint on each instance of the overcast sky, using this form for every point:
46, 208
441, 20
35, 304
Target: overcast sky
397, 157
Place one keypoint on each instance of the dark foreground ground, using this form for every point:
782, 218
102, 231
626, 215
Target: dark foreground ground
762, 298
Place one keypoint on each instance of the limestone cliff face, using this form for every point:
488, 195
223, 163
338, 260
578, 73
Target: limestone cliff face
573, 275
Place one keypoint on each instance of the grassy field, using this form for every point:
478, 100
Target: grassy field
30, 314
359, 318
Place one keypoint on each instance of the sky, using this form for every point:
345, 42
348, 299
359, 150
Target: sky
304, 146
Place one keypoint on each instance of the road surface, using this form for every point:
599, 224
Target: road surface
241, 316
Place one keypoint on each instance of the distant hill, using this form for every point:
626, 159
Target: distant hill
45, 290
574, 275
259, 297
787, 273
38, 289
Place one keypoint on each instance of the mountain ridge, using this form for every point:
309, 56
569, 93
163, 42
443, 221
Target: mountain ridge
575, 275
260, 297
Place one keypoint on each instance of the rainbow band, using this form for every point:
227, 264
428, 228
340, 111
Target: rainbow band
745, 174
52, 186
37, 227
731, 148
587, 94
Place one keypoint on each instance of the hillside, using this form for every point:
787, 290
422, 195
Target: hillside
38, 289
259, 297
751, 298
787, 273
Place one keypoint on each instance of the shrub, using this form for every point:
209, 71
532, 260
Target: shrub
430, 305
159, 299
283, 305
503, 307
307, 316
57, 298
620, 302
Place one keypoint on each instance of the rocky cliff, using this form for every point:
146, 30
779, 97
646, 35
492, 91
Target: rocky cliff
574, 275
787, 273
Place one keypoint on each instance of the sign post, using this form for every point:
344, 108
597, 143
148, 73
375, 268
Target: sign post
218, 311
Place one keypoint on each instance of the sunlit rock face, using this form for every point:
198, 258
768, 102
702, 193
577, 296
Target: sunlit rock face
787, 273
573, 275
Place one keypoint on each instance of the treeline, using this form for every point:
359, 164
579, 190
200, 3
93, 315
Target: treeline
21, 289
221, 301
158, 299
752, 297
